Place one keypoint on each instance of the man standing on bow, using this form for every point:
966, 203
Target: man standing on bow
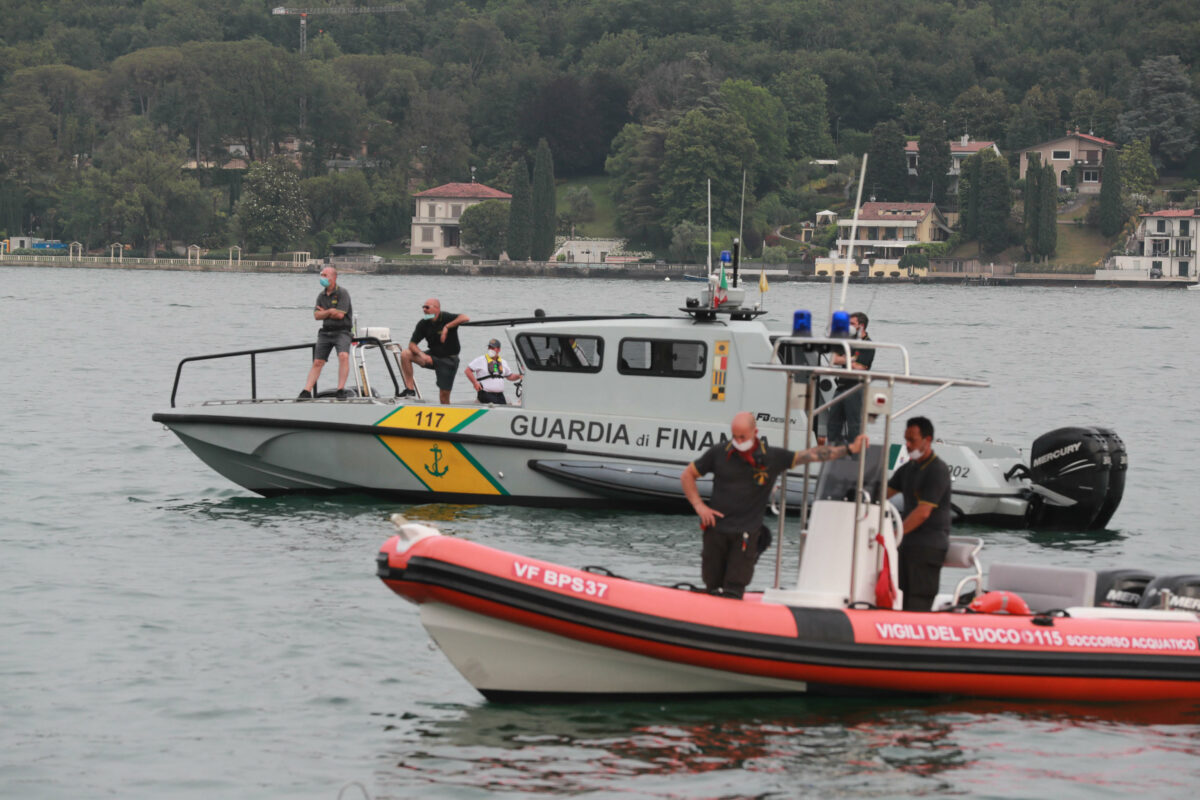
744, 472
487, 373
333, 308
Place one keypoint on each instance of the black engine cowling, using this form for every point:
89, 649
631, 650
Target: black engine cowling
1121, 588
1116, 477
1184, 589
1075, 463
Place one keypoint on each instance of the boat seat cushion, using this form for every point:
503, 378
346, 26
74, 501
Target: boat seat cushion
1044, 588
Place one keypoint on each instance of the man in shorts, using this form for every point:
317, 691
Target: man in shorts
487, 374
439, 330
333, 308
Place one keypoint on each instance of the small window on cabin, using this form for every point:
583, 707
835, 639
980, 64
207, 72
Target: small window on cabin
664, 358
561, 352
1060, 155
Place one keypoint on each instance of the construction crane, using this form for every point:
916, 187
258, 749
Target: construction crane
303, 13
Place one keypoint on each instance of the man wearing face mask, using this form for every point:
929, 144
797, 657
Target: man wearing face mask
333, 307
487, 373
925, 483
844, 418
439, 330
744, 471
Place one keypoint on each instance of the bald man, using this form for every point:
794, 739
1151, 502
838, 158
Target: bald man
744, 471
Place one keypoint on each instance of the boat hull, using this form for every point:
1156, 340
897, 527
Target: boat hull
518, 628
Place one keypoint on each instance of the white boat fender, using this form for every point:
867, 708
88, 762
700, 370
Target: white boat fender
410, 532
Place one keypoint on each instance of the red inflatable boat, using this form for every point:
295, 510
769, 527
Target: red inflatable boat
519, 628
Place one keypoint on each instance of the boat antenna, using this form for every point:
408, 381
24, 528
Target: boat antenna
741, 225
710, 229
862, 177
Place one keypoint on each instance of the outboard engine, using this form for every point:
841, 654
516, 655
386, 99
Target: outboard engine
1121, 588
1116, 477
1184, 592
1070, 470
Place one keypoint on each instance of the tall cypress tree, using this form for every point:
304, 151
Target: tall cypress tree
995, 203
887, 167
545, 207
933, 163
968, 196
1112, 217
1032, 196
520, 213
1048, 208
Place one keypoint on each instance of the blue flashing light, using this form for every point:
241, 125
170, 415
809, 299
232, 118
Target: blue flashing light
801, 323
726, 257
840, 327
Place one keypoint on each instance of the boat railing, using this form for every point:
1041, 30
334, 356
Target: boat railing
800, 359
359, 341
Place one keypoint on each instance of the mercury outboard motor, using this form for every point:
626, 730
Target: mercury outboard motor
1121, 588
1116, 477
1184, 592
1070, 469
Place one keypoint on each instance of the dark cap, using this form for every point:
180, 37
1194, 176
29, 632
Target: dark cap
494, 343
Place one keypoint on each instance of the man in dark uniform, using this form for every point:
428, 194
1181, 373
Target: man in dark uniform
744, 472
333, 307
925, 483
844, 420
439, 330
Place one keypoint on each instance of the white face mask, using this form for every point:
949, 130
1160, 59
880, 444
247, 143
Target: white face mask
745, 445
915, 455
494, 353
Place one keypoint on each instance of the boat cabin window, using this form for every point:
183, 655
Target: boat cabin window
662, 358
561, 352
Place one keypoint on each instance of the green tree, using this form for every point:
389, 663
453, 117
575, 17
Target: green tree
580, 206
1137, 167
887, 167
1112, 214
805, 102
995, 202
544, 204
339, 197
1162, 107
702, 146
980, 113
767, 122
1032, 197
1048, 211
520, 213
933, 162
968, 196
483, 226
635, 168
271, 212
687, 243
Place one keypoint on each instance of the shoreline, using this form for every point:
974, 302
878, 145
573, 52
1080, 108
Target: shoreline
659, 272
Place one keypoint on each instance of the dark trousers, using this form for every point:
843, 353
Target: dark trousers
920, 571
843, 421
727, 561
491, 397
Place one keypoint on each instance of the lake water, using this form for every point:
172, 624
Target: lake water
165, 634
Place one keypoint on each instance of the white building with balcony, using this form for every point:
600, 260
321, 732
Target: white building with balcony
435, 229
1164, 246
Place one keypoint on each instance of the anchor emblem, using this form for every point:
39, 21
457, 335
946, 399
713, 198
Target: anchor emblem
435, 472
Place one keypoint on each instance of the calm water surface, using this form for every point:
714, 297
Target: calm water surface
166, 634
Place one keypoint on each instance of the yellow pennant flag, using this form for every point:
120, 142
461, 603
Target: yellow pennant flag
762, 281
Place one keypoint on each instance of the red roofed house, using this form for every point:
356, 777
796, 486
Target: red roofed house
1164, 245
885, 230
1078, 153
960, 151
435, 223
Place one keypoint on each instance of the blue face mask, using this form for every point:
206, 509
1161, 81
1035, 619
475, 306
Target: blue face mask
325, 282
427, 316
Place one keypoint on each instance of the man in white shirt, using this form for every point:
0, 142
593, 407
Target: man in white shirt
487, 374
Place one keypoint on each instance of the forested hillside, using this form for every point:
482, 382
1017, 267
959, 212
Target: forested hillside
102, 101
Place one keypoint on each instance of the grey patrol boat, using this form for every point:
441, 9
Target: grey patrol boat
612, 410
